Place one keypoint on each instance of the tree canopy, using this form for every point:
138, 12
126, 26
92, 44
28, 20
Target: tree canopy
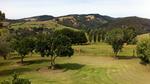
77, 37
143, 50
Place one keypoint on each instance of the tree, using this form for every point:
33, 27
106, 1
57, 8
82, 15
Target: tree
76, 36
115, 39
143, 50
16, 80
129, 34
61, 47
4, 48
2, 16
43, 44
53, 46
22, 46
90, 36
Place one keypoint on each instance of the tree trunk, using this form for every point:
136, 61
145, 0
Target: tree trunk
53, 62
22, 59
5, 57
52, 66
116, 53
31, 53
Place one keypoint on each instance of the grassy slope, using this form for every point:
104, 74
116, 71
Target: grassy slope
140, 37
89, 66
102, 49
37, 24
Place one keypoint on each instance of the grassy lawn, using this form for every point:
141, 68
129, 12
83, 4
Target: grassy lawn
93, 64
102, 49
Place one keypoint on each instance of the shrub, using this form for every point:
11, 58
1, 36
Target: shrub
5, 82
143, 50
16, 80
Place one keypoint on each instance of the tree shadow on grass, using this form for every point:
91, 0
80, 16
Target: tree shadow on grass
69, 66
4, 63
11, 71
125, 57
15, 58
38, 61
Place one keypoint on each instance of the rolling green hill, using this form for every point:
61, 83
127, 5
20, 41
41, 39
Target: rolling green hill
37, 24
87, 21
84, 21
141, 24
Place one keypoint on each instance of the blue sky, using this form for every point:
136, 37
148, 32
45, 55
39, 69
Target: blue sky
16, 9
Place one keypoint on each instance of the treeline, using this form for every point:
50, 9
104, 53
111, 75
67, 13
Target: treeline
96, 35
76, 36
100, 35
2, 18
47, 42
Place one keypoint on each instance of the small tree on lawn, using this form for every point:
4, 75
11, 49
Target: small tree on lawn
22, 46
115, 39
143, 50
53, 46
61, 47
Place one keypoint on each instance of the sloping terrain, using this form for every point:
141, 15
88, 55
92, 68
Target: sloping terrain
141, 24
91, 21
84, 21
37, 24
94, 69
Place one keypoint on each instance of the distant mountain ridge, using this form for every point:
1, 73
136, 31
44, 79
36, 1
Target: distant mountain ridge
91, 21
84, 20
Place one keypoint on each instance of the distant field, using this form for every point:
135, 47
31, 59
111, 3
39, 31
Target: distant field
140, 37
103, 49
94, 64
37, 24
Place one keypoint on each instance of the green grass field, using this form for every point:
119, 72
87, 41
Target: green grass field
37, 24
91, 64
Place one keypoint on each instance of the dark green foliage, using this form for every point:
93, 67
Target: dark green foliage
84, 21
129, 35
16, 80
5, 47
5, 82
53, 46
96, 35
23, 46
43, 44
142, 25
2, 16
62, 46
143, 50
115, 38
77, 37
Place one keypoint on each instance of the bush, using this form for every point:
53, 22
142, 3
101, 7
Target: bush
16, 80
77, 37
5, 82
115, 39
143, 50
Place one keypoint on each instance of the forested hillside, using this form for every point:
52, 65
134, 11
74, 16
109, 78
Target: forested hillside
92, 21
